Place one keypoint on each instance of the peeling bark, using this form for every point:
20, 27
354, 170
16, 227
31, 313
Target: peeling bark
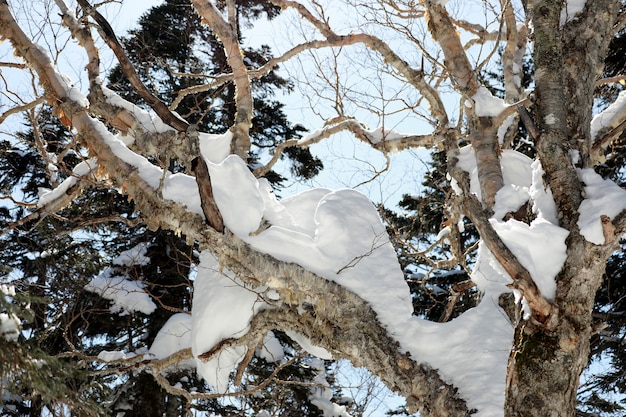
229, 37
484, 140
549, 351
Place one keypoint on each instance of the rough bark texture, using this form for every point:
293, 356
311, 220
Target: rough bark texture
549, 351
546, 362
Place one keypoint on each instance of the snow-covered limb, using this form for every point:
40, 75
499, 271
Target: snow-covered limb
110, 38
606, 126
474, 210
52, 201
396, 369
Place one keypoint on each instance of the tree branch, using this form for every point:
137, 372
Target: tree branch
383, 141
128, 69
457, 64
234, 55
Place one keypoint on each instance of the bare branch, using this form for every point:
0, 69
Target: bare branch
19, 109
127, 67
443, 31
389, 141
243, 90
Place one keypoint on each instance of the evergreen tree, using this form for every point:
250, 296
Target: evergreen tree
53, 258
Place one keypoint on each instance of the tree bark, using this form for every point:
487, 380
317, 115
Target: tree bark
546, 361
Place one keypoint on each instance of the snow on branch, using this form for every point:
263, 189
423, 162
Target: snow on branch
141, 181
61, 196
607, 125
107, 33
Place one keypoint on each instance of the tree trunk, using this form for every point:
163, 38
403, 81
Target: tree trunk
546, 363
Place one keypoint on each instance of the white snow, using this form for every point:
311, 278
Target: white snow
379, 135
504, 127
174, 337
609, 117
215, 148
339, 236
321, 395
516, 172
571, 9
116, 355
486, 104
544, 257
602, 197
235, 187
271, 350
127, 295
7, 289
9, 326
72, 92
133, 256
541, 196
147, 121
222, 309
82, 169
509, 199
308, 346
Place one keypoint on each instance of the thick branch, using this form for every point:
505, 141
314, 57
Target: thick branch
83, 35
542, 311
356, 332
457, 64
551, 104
243, 91
585, 41
209, 207
484, 140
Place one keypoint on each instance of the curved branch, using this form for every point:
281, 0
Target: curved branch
384, 141
19, 109
128, 69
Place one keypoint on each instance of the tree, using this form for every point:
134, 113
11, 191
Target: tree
319, 266
82, 321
